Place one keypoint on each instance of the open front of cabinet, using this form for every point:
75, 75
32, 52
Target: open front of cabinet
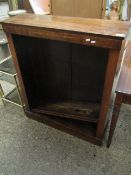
62, 79
67, 69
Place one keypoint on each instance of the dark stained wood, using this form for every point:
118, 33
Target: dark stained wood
53, 60
77, 110
20, 4
115, 114
123, 91
107, 28
124, 83
87, 80
27, 6
107, 92
56, 60
72, 127
64, 76
64, 36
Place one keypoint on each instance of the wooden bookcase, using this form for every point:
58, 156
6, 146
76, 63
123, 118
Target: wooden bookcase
66, 68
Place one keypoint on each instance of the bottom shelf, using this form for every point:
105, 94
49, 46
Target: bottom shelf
78, 110
83, 130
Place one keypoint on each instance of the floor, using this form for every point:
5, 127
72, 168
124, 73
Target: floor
31, 148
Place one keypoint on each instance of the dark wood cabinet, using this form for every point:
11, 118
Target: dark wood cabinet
66, 68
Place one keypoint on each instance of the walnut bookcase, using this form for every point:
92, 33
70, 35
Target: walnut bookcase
66, 68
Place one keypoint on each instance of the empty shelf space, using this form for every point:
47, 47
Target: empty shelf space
71, 109
81, 129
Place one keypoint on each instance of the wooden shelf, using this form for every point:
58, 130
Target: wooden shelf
83, 130
78, 110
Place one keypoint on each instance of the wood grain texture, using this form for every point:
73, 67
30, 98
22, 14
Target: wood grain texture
64, 36
124, 83
27, 6
72, 127
99, 27
41, 62
76, 8
109, 80
77, 110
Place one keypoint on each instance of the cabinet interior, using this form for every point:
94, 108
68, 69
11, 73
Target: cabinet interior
61, 78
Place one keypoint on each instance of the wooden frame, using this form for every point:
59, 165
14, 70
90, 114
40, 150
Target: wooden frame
73, 32
123, 90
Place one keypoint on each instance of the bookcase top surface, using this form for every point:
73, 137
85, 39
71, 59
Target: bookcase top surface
114, 29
